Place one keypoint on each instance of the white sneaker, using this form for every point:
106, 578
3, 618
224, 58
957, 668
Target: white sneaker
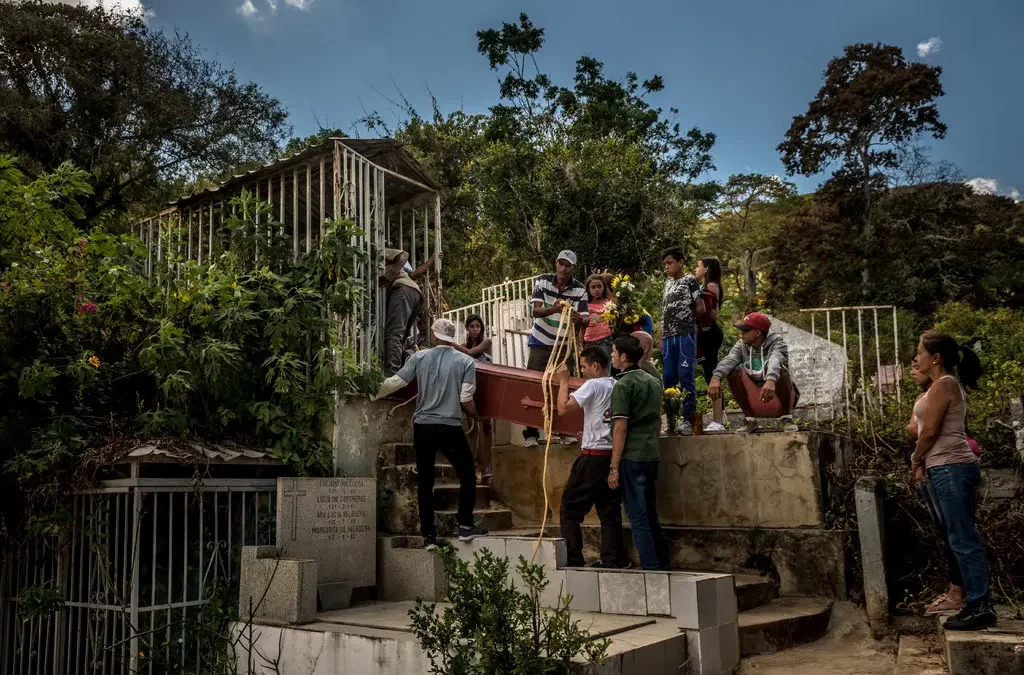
530, 442
713, 428
684, 429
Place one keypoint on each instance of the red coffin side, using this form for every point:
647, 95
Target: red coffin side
501, 391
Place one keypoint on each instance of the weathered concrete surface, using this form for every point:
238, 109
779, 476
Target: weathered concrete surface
361, 426
276, 590
405, 571
997, 650
768, 480
870, 500
806, 562
847, 649
783, 623
920, 655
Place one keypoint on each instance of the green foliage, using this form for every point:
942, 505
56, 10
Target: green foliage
91, 349
39, 601
494, 626
133, 107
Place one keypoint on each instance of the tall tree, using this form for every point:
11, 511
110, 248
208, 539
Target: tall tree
873, 104
743, 228
131, 106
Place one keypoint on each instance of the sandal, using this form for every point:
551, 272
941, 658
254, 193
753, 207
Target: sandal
943, 603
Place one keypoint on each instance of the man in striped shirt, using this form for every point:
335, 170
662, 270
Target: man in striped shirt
549, 292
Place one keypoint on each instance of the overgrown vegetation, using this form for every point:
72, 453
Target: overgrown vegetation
495, 625
915, 560
91, 349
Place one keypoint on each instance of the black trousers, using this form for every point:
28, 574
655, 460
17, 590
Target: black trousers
588, 486
449, 440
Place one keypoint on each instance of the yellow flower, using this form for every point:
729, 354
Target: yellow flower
94, 361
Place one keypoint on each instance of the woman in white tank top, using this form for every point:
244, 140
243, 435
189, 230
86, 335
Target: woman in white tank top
943, 459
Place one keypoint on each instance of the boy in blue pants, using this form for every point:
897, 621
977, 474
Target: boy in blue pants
680, 306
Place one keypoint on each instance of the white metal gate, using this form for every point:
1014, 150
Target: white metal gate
143, 559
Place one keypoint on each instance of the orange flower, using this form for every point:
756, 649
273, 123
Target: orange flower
94, 361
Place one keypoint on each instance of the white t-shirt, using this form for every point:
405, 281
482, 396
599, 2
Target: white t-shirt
595, 397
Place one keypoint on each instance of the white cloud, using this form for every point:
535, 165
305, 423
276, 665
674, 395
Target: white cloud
272, 4
929, 47
248, 10
1015, 194
299, 4
134, 7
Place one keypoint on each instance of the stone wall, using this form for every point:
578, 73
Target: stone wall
771, 480
361, 426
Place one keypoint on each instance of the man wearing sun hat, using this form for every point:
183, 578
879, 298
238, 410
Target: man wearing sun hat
549, 292
445, 384
757, 370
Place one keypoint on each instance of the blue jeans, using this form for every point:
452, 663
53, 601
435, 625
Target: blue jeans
679, 365
640, 497
954, 488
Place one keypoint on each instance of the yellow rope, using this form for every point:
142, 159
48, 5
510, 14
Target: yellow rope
560, 354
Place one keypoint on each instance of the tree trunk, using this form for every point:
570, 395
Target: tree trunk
749, 280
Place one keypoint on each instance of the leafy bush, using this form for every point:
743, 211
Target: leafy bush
495, 627
91, 349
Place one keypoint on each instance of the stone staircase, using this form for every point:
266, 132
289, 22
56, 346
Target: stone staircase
397, 509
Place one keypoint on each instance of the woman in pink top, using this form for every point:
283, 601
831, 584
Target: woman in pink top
949, 468
598, 333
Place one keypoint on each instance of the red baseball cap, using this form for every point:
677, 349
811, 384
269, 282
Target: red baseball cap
755, 321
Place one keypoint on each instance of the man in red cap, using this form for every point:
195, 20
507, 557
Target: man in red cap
757, 370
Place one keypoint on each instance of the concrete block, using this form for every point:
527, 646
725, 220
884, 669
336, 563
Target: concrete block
703, 647
622, 593
646, 660
408, 573
725, 593
729, 646
274, 590
586, 595
995, 650
496, 545
694, 600
556, 588
551, 554
659, 598
869, 498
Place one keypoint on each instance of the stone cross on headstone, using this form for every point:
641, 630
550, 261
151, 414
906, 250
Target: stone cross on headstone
294, 493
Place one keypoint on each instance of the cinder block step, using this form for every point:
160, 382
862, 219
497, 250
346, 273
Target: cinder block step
753, 591
919, 655
446, 496
999, 649
783, 623
490, 519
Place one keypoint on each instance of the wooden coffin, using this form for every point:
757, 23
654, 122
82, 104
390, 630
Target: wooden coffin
515, 395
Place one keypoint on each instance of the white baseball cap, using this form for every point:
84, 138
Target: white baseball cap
443, 329
568, 256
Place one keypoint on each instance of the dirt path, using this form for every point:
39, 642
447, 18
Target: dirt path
847, 649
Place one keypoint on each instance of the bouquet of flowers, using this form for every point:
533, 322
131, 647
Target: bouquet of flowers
625, 311
672, 402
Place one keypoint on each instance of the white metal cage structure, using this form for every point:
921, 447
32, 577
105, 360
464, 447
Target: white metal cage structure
146, 555
374, 182
506, 311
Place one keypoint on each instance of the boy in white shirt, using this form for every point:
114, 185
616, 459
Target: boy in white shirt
588, 480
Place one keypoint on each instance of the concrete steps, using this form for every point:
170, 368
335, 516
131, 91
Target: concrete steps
999, 649
783, 623
489, 519
754, 591
919, 655
446, 496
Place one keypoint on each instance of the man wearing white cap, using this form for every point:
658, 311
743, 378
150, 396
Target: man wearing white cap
549, 292
445, 384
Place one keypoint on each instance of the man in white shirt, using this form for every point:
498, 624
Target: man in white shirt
588, 480
445, 383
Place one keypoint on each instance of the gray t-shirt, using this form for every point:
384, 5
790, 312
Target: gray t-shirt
444, 378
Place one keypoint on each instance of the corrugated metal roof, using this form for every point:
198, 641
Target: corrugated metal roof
192, 450
384, 152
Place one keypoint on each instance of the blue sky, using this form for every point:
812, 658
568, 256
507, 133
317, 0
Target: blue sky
739, 68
